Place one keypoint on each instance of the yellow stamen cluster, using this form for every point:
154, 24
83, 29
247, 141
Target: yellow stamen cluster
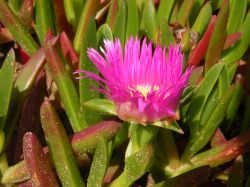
145, 89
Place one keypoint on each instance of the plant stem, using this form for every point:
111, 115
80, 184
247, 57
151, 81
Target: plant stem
140, 137
168, 148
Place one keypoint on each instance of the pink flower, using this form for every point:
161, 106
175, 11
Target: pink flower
144, 86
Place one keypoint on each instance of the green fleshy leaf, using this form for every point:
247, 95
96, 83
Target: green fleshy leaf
19, 32
237, 51
187, 95
197, 8
195, 75
104, 106
133, 19
233, 107
166, 149
173, 16
216, 43
121, 136
119, 30
99, 164
185, 42
171, 125
2, 140
15, 174
200, 97
89, 10
237, 14
66, 88
135, 166
112, 13
30, 70
223, 82
149, 21
59, 147
223, 153
22, 86
164, 10
184, 12
215, 95
140, 137
166, 35
78, 8
216, 4
70, 12
210, 105
218, 155
86, 85
203, 19
185, 102
44, 19
86, 140
15, 5
6, 78
231, 68
207, 129
104, 32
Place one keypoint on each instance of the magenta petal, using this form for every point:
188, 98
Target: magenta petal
141, 105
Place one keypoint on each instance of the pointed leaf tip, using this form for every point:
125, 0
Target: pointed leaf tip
171, 125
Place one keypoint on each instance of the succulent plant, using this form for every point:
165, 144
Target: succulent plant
124, 93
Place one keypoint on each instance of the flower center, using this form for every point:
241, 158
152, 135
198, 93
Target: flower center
145, 89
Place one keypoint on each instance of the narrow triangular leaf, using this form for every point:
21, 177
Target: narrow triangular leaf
171, 125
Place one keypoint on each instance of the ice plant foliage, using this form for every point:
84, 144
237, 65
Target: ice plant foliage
144, 85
